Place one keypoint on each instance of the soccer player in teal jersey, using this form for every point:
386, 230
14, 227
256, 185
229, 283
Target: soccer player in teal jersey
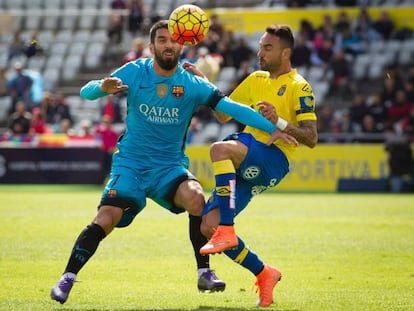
162, 97
244, 165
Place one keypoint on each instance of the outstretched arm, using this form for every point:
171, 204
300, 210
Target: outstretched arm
249, 116
99, 88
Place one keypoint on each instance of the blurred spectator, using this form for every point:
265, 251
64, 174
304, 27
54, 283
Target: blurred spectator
341, 69
325, 117
16, 47
115, 29
388, 91
20, 120
47, 107
407, 125
189, 54
62, 110
112, 108
343, 22
20, 87
301, 53
33, 47
208, 64
136, 15
363, 27
377, 109
306, 30
64, 127
327, 28
371, 133
85, 129
357, 112
3, 82
109, 139
349, 42
384, 25
137, 51
38, 123
241, 52
399, 107
298, 3
118, 5
401, 165
225, 50
409, 90
216, 26
343, 3
322, 56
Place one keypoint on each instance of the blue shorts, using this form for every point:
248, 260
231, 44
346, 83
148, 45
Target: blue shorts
128, 187
263, 168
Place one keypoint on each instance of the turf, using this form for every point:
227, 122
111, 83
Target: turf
336, 252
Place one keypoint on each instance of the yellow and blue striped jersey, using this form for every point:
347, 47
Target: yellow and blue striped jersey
291, 95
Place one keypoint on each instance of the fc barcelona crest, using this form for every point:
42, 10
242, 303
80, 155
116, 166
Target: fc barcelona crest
178, 91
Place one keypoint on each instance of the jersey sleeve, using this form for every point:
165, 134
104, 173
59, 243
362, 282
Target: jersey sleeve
245, 115
304, 102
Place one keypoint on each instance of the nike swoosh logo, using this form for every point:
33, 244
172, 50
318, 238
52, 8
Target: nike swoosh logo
217, 244
80, 249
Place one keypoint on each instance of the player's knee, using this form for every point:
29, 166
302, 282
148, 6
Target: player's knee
220, 150
194, 203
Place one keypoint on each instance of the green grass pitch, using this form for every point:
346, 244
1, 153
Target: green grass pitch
336, 252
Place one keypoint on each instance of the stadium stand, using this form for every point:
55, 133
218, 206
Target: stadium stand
73, 34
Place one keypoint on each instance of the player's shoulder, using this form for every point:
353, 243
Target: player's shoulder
259, 74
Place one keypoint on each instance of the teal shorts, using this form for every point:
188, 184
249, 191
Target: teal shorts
129, 187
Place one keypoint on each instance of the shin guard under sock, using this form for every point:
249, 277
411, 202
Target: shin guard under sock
225, 176
85, 246
245, 257
198, 240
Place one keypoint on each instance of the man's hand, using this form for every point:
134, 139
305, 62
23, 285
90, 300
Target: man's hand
268, 111
193, 69
282, 135
113, 85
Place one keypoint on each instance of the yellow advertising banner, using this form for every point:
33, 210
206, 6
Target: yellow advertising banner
250, 21
317, 169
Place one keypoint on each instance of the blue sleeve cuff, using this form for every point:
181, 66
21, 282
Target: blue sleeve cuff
92, 90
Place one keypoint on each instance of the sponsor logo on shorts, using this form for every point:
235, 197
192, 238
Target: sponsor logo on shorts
251, 172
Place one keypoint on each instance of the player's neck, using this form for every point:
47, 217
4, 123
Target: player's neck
280, 72
163, 72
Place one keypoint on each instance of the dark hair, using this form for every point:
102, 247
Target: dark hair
284, 33
158, 25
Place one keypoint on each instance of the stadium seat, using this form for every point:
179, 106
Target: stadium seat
59, 48
33, 22
5, 104
51, 77
69, 21
51, 22
86, 21
82, 35
78, 48
52, 4
37, 63
65, 36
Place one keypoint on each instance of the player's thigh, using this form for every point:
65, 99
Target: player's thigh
124, 191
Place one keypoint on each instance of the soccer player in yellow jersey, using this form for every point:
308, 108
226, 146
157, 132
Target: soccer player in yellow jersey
244, 165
